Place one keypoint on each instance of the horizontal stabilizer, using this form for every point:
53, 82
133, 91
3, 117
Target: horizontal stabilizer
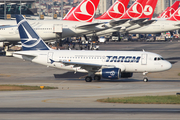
7, 26
118, 22
24, 54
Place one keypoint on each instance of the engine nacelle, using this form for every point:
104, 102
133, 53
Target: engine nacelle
126, 74
111, 73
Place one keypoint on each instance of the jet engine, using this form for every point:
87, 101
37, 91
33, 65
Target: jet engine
111, 73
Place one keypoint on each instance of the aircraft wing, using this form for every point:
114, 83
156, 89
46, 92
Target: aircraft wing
88, 25
118, 22
138, 21
87, 66
147, 22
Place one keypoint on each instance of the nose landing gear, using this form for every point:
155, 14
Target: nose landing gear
145, 79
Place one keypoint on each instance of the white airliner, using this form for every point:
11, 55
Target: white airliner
139, 12
171, 24
105, 64
79, 23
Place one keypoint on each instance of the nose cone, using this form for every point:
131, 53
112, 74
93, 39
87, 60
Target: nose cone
167, 65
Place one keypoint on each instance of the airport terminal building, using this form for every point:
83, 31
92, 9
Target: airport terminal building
16, 7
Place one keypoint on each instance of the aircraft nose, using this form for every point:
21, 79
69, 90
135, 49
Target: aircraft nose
167, 65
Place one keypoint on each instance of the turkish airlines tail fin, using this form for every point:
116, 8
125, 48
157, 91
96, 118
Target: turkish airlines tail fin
170, 10
149, 9
69, 12
84, 11
175, 16
136, 10
165, 14
29, 38
115, 11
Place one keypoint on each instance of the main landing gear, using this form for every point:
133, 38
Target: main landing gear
145, 79
89, 78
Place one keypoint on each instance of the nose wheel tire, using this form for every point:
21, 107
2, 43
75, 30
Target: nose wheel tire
96, 77
145, 79
88, 79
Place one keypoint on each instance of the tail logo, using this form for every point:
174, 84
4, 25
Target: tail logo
85, 12
148, 10
117, 10
176, 16
135, 11
27, 39
172, 10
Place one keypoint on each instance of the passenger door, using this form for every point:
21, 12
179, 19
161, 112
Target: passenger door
144, 59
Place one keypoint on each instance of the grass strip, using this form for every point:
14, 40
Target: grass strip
169, 99
22, 87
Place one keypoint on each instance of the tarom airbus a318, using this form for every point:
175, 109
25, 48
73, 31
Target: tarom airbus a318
105, 64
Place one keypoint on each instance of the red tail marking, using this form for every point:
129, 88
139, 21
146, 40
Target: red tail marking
116, 10
149, 9
136, 10
84, 11
175, 16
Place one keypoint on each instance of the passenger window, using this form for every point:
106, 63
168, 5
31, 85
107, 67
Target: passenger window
159, 58
155, 59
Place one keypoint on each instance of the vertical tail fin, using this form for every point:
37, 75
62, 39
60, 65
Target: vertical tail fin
174, 7
29, 38
170, 10
116, 11
69, 12
149, 9
175, 16
84, 11
136, 10
165, 14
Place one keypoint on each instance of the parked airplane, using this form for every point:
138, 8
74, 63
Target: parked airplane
169, 10
105, 64
171, 24
147, 13
82, 15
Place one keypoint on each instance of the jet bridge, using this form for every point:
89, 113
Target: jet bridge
57, 28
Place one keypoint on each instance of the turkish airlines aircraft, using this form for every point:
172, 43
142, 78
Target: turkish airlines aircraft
105, 64
171, 24
134, 12
79, 24
169, 10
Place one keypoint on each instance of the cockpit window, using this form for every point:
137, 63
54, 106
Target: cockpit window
158, 58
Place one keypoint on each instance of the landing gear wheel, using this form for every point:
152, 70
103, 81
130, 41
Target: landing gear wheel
96, 77
145, 79
88, 79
